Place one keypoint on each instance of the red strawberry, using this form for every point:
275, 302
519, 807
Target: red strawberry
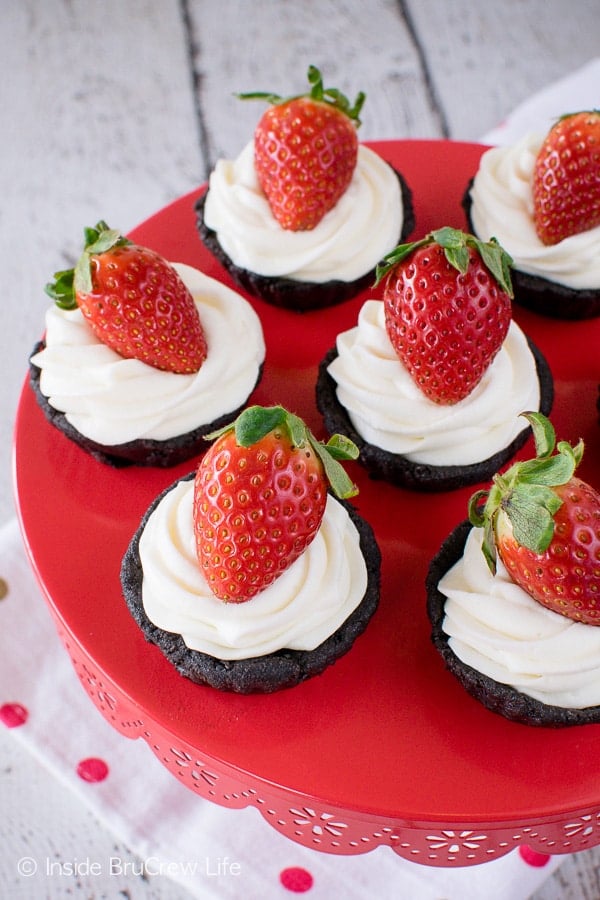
566, 178
134, 301
544, 523
259, 498
305, 152
447, 301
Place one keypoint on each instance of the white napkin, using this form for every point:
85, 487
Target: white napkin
216, 853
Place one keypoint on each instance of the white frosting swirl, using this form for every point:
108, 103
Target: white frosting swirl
503, 208
113, 400
349, 241
388, 409
298, 611
495, 627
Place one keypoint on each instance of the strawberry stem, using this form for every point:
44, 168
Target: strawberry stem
331, 96
525, 492
68, 282
569, 115
255, 422
455, 244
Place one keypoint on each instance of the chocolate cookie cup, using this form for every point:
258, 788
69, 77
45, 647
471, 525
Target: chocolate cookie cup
261, 674
140, 452
548, 298
499, 698
399, 471
301, 296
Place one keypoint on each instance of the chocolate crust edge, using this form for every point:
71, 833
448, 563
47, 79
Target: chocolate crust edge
548, 298
497, 697
301, 296
143, 452
400, 471
262, 674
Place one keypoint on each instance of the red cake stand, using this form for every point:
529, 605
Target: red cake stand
385, 747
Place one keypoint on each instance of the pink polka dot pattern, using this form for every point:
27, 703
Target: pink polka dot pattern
92, 769
532, 857
296, 879
13, 714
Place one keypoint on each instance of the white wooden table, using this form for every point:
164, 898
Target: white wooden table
111, 110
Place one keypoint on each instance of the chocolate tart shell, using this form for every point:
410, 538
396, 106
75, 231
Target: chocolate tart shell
497, 697
261, 674
301, 296
548, 298
397, 470
142, 452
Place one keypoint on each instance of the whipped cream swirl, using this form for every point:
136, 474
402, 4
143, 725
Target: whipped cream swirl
113, 400
349, 241
495, 627
388, 409
503, 208
298, 611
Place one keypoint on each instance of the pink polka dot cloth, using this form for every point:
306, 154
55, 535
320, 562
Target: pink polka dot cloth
45, 709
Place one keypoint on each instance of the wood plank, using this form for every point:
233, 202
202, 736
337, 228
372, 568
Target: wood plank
578, 878
484, 59
97, 122
269, 46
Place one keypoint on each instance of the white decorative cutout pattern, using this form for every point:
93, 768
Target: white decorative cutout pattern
318, 823
441, 845
456, 841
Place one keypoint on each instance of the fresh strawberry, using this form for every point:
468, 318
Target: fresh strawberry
544, 524
259, 498
566, 178
447, 301
134, 301
305, 151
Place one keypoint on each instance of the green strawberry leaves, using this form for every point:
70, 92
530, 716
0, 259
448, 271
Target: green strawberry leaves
524, 493
255, 422
455, 244
68, 282
102, 238
335, 449
497, 261
61, 289
530, 511
332, 96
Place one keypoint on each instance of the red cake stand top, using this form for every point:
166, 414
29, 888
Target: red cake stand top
385, 746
